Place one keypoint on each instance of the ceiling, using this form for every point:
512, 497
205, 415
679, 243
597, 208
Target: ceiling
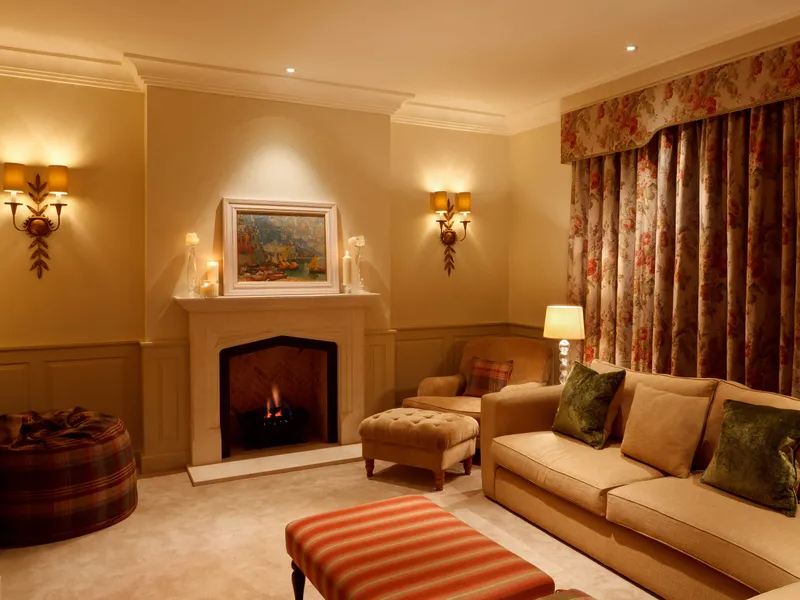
498, 56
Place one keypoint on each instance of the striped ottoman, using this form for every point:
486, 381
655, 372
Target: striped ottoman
63, 474
405, 548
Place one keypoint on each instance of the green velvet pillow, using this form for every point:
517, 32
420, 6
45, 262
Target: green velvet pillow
757, 453
584, 404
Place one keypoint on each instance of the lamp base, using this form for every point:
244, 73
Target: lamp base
563, 351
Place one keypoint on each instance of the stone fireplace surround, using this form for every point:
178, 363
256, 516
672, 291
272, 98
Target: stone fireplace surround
224, 322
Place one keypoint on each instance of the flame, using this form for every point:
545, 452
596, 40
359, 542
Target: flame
274, 403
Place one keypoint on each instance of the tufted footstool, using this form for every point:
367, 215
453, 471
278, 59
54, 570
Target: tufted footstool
419, 438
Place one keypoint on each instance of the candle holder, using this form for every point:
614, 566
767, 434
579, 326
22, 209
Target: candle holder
191, 270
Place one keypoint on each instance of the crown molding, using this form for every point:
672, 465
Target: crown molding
533, 117
445, 117
65, 68
161, 72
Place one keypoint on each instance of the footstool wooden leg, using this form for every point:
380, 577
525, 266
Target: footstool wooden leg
298, 582
439, 478
467, 465
370, 463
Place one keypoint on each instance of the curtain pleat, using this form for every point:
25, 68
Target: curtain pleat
762, 321
712, 314
683, 349
664, 250
737, 166
685, 253
626, 258
645, 261
610, 241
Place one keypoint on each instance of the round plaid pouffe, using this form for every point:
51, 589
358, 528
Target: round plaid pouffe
63, 474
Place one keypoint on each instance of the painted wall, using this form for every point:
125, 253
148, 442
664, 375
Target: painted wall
93, 292
203, 147
425, 159
539, 225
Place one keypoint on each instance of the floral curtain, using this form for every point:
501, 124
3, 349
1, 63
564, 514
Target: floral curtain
685, 251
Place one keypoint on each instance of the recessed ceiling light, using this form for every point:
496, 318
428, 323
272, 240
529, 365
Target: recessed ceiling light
631, 47
291, 69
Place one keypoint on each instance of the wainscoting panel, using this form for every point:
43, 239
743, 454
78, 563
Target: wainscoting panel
379, 371
165, 403
102, 377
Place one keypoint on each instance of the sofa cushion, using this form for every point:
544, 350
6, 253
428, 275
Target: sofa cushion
664, 429
747, 542
755, 458
569, 468
727, 390
584, 404
685, 386
461, 405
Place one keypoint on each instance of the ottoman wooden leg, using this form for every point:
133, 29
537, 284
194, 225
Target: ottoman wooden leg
370, 463
298, 582
467, 465
439, 478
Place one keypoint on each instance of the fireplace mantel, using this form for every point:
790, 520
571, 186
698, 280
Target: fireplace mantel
261, 303
224, 322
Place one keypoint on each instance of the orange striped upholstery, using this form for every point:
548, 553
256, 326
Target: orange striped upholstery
407, 548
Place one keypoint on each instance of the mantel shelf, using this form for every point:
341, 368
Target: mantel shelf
267, 303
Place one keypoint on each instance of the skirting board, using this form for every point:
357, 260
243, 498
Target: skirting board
271, 465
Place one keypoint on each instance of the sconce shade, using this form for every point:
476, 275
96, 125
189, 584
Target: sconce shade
13, 177
463, 202
439, 202
564, 323
58, 179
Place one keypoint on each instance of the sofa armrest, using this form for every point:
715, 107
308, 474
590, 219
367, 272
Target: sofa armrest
523, 408
451, 385
789, 592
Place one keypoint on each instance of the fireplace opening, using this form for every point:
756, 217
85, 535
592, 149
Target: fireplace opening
278, 392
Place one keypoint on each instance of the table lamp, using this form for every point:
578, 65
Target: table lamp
564, 323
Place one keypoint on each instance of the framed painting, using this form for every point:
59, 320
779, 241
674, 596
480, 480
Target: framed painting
274, 248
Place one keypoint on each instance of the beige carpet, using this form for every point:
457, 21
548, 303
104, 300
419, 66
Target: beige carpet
225, 541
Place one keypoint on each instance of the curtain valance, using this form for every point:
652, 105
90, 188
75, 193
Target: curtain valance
630, 121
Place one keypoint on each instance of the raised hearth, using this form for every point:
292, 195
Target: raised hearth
225, 322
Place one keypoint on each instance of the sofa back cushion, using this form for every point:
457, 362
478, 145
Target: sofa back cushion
685, 386
728, 390
532, 358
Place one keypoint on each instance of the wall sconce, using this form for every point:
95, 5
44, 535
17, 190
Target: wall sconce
38, 225
441, 205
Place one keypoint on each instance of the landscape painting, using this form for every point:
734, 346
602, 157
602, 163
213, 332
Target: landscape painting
281, 247
274, 248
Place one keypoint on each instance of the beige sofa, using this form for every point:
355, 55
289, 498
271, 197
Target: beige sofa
677, 537
532, 368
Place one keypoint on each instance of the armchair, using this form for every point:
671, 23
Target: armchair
532, 368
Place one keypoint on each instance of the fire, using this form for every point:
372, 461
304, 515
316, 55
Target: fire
274, 403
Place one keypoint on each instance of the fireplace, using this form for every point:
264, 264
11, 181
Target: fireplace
279, 391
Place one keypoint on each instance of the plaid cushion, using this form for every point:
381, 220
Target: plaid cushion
487, 376
63, 474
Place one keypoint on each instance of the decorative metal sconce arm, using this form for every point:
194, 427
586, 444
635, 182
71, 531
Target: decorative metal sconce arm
14, 206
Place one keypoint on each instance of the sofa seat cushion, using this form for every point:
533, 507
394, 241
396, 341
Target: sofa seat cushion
569, 468
747, 542
460, 405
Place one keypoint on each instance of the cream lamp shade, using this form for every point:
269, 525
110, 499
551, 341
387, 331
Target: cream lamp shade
464, 202
564, 323
58, 179
439, 202
13, 177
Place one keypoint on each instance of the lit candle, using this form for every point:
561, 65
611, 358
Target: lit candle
192, 239
209, 289
212, 271
347, 274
